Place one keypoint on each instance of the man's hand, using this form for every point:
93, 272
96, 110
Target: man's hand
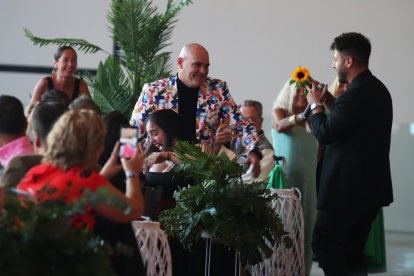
223, 135
253, 159
314, 95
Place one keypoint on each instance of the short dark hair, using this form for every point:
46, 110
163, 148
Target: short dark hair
44, 116
353, 44
55, 95
12, 118
256, 104
85, 102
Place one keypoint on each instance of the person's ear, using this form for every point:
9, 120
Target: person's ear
37, 143
349, 61
180, 62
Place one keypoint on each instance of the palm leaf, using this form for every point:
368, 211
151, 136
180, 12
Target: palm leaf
111, 88
79, 44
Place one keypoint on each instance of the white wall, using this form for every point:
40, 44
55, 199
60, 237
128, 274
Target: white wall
254, 46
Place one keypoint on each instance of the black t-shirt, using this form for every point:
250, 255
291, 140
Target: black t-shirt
187, 110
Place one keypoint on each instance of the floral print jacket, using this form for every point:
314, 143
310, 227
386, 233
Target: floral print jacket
215, 106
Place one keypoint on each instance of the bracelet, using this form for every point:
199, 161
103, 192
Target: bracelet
168, 155
130, 173
292, 120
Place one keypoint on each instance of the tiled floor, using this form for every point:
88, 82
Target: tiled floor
400, 255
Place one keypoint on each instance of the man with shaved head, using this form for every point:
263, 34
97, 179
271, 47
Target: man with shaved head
208, 116
206, 108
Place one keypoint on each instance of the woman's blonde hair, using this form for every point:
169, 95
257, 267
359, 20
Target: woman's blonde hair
285, 98
75, 140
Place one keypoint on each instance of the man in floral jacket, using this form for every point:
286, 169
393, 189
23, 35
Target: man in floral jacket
204, 104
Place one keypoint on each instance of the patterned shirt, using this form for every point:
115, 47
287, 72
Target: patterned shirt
215, 106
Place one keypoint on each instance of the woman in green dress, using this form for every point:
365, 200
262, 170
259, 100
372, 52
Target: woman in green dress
299, 147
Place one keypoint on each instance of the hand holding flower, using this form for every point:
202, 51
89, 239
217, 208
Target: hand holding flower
301, 77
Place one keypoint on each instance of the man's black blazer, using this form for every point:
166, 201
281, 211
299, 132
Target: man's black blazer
354, 170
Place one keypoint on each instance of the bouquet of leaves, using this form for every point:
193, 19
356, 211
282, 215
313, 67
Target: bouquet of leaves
223, 208
301, 78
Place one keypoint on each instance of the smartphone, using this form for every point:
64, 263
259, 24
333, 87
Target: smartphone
128, 142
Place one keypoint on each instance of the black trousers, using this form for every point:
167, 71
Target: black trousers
339, 237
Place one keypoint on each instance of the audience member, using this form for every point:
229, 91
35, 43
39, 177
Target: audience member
55, 95
63, 78
292, 140
163, 130
13, 123
113, 232
202, 102
74, 146
85, 102
253, 112
355, 159
41, 122
1, 189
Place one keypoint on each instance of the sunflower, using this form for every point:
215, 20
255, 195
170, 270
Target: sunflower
301, 77
301, 74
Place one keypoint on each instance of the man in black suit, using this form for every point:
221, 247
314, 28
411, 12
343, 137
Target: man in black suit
353, 174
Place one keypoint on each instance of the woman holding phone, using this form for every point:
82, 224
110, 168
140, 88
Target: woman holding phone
74, 146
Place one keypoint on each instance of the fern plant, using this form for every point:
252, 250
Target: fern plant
140, 33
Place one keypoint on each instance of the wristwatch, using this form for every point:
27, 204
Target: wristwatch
315, 106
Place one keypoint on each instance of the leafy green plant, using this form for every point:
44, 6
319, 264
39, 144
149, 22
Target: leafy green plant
223, 208
140, 35
38, 239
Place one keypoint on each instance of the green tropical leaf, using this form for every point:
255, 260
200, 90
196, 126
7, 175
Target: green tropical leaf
78, 44
111, 88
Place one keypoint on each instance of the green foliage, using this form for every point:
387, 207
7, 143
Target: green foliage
80, 44
140, 33
109, 78
223, 208
38, 239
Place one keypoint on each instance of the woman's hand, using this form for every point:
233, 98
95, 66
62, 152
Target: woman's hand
111, 167
157, 157
135, 163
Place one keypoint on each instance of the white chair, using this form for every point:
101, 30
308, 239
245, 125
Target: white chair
154, 248
286, 262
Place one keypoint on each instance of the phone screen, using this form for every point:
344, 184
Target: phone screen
127, 142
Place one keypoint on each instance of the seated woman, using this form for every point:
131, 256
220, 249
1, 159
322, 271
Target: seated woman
163, 130
112, 232
74, 146
62, 79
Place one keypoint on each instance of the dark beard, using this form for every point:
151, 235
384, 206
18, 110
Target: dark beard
342, 77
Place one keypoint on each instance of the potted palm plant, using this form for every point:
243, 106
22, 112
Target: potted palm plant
140, 33
222, 208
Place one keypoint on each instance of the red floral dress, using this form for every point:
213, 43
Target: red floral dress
66, 185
